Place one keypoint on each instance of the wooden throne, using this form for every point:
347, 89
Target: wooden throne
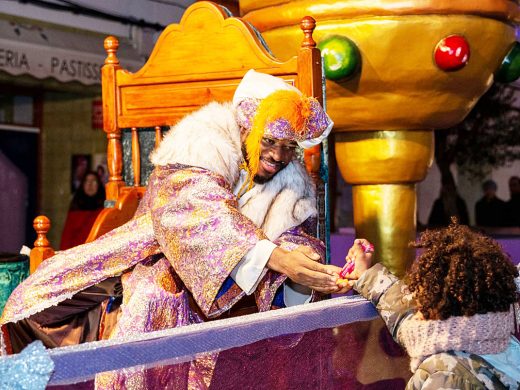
199, 60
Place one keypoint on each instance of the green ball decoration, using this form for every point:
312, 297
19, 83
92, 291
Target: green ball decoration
341, 58
509, 71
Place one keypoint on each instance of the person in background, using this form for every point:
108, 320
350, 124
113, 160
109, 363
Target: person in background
454, 312
490, 209
80, 164
449, 204
85, 206
513, 205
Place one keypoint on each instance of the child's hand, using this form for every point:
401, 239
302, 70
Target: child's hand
358, 260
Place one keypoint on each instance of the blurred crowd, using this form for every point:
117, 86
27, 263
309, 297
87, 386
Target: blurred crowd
490, 210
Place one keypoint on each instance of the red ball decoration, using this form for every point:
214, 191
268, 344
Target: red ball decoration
452, 53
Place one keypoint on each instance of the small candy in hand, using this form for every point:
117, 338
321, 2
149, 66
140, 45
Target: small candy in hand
349, 267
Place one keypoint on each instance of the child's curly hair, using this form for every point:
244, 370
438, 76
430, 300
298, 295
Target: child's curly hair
461, 273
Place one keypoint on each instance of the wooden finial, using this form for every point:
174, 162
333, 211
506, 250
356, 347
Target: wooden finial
42, 248
111, 45
42, 225
308, 24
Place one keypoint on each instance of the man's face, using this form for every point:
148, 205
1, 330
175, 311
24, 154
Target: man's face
274, 156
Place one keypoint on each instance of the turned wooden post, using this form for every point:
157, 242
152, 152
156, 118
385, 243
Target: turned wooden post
110, 95
309, 63
42, 248
158, 136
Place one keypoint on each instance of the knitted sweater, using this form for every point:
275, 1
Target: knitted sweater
443, 353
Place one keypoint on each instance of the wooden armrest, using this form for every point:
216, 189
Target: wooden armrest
113, 217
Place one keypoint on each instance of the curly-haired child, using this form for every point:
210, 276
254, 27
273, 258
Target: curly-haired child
454, 312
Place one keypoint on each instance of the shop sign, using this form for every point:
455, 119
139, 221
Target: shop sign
40, 61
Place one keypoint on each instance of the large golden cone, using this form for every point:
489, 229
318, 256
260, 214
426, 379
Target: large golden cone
385, 114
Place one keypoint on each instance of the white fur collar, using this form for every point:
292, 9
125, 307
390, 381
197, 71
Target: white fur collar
208, 138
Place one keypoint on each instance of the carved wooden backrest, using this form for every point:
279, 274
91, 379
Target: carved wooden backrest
202, 59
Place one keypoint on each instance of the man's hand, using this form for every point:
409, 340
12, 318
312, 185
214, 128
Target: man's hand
301, 266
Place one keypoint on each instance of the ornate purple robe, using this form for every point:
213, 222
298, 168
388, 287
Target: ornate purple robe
174, 258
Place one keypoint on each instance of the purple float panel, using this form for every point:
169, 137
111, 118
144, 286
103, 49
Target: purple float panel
339, 343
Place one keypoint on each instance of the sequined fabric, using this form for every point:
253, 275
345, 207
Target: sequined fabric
167, 262
13, 270
183, 210
191, 210
154, 301
246, 111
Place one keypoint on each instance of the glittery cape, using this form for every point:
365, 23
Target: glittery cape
188, 214
154, 301
200, 231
